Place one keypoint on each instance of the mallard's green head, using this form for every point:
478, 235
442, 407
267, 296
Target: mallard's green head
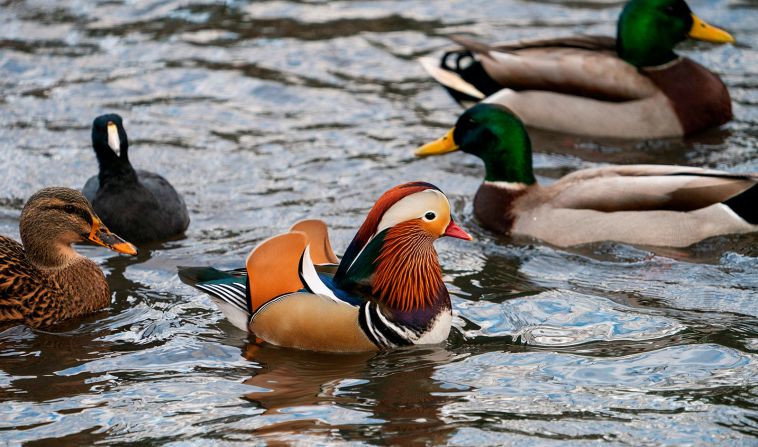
494, 134
648, 31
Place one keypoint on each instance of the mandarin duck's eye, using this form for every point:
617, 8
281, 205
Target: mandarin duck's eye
430, 215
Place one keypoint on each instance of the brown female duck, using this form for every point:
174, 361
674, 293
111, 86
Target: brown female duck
45, 281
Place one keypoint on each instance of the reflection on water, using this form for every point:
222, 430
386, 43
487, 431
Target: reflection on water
263, 113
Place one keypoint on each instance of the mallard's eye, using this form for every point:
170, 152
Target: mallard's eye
674, 9
430, 215
70, 208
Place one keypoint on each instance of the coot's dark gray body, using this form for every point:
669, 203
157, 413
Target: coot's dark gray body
140, 206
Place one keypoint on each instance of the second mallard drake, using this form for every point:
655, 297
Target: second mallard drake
386, 291
140, 205
637, 204
45, 281
634, 86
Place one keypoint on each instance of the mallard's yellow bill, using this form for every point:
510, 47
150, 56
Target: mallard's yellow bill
703, 31
101, 235
440, 146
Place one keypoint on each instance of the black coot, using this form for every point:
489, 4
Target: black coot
140, 206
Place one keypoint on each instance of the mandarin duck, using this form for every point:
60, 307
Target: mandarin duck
45, 281
386, 291
633, 86
140, 205
659, 205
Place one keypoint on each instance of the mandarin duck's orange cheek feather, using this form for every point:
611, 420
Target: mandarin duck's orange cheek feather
387, 292
374, 217
407, 275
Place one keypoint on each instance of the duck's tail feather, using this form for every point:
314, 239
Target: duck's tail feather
278, 266
450, 77
745, 204
228, 289
194, 275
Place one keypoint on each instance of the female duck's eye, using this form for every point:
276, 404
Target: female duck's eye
429, 215
70, 208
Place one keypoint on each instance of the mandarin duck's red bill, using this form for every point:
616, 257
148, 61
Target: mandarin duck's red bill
386, 291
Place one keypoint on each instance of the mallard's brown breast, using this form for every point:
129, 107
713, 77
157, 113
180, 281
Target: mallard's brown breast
699, 98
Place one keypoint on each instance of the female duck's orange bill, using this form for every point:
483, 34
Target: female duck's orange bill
101, 235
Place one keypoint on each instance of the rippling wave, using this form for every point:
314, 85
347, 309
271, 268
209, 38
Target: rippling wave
263, 113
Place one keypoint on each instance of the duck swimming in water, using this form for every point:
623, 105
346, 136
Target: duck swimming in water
140, 205
45, 281
386, 291
633, 86
673, 206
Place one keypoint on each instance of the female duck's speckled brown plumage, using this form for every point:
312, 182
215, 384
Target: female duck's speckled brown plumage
45, 281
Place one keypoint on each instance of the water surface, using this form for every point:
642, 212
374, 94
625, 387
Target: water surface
263, 113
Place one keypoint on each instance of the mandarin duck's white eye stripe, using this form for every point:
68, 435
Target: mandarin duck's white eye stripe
415, 206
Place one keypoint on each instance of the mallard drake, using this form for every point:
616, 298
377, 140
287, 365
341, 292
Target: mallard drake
140, 205
634, 86
45, 281
386, 291
660, 205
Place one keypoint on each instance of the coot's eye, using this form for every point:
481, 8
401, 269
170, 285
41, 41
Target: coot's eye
430, 215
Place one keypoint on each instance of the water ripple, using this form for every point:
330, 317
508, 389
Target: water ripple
263, 113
